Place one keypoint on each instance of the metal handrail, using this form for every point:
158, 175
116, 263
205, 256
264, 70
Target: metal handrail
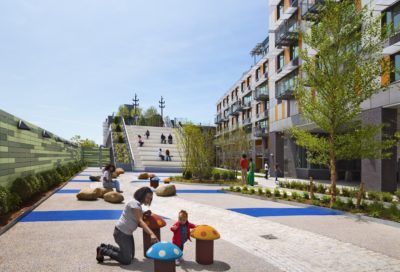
113, 146
131, 157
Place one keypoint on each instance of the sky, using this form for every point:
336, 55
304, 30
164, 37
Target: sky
66, 65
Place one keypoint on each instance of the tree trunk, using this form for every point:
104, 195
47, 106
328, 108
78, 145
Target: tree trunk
333, 180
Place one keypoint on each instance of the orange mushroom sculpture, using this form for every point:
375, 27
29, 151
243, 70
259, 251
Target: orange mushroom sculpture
205, 236
155, 223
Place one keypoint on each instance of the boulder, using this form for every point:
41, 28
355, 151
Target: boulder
113, 197
115, 175
101, 191
167, 180
143, 176
95, 178
166, 190
120, 171
87, 194
152, 176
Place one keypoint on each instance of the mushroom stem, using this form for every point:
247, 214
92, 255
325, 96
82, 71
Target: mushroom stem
147, 240
164, 266
204, 251
154, 183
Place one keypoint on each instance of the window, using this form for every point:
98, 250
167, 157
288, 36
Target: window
279, 10
391, 19
257, 74
265, 68
294, 52
258, 108
395, 74
280, 62
242, 87
248, 82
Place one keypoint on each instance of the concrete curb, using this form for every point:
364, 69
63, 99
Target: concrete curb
359, 217
34, 206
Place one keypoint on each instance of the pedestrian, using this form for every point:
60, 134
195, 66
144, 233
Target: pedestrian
131, 218
244, 164
181, 230
160, 154
108, 182
167, 155
163, 141
250, 175
170, 138
140, 142
147, 134
277, 173
266, 170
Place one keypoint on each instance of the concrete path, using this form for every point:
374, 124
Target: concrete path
256, 235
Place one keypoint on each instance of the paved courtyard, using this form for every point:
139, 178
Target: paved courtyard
256, 235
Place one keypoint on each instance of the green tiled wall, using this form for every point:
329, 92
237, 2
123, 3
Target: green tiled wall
24, 152
92, 156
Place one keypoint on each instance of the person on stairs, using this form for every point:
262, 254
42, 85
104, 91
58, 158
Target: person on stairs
147, 134
161, 155
167, 155
163, 141
108, 182
170, 138
140, 142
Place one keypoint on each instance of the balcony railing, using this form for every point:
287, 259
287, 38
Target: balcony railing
260, 132
246, 121
235, 108
217, 119
262, 115
246, 103
261, 93
287, 34
309, 9
285, 89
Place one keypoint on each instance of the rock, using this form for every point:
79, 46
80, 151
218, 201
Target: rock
113, 197
87, 194
95, 178
143, 176
115, 175
152, 176
166, 190
167, 180
120, 171
101, 191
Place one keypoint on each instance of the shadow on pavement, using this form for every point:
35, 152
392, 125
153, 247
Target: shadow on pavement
216, 266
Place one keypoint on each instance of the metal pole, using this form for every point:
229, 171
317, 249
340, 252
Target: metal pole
161, 104
135, 106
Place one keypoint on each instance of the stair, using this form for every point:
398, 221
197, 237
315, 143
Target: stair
146, 157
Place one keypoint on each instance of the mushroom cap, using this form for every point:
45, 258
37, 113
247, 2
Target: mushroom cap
205, 232
155, 178
152, 175
154, 221
164, 251
167, 180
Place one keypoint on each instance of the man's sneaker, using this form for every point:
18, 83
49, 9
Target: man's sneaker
120, 191
99, 255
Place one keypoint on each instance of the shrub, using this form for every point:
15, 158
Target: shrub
252, 191
376, 209
295, 195
306, 195
186, 175
268, 192
397, 193
118, 128
238, 189
34, 183
325, 199
225, 175
387, 197
345, 192
244, 189
22, 188
8, 201
373, 196
231, 188
285, 195
321, 189
277, 193
316, 202
232, 175
339, 204
260, 191
349, 204
216, 176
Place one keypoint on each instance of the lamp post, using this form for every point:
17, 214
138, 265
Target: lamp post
135, 106
161, 105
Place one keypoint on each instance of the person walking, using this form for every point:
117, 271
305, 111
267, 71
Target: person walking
277, 173
266, 170
147, 134
108, 182
167, 155
163, 141
244, 164
250, 175
161, 155
140, 142
131, 218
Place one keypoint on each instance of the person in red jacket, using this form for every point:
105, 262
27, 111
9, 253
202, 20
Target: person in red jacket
181, 230
244, 164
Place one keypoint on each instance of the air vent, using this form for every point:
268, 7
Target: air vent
22, 125
45, 134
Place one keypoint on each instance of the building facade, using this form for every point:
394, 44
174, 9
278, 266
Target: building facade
280, 67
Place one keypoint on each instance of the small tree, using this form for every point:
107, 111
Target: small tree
334, 83
123, 111
198, 150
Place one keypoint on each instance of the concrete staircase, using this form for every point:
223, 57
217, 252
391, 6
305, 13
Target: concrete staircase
146, 157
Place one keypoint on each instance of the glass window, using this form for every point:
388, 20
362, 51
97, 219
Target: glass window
265, 65
395, 75
294, 52
281, 61
279, 11
391, 19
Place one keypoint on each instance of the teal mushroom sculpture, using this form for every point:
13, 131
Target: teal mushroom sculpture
164, 255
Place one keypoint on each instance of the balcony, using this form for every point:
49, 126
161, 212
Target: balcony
217, 119
262, 115
392, 44
246, 121
235, 108
261, 93
287, 69
246, 105
309, 9
284, 90
287, 34
260, 132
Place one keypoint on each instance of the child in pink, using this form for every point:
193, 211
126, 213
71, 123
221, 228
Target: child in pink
181, 230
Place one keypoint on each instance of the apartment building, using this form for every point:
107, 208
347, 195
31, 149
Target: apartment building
281, 67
